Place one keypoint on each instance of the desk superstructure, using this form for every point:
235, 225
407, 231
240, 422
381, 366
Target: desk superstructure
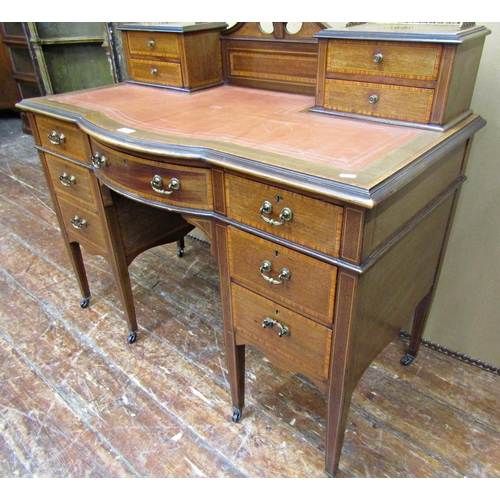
329, 231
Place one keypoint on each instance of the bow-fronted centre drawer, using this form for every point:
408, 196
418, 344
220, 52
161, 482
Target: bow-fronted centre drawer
189, 187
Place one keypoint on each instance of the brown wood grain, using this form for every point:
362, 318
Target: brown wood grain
305, 350
277, 61
75, 144
310, 288
202, 65
400, 60
190, 60
79, 189
91, 232
314, 224
135, 176
388, 217
395, 102
156, 72
164, 46
428, 81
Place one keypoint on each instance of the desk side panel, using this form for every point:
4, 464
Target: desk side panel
396, 212
389, 291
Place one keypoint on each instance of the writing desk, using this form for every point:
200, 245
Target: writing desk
329, 232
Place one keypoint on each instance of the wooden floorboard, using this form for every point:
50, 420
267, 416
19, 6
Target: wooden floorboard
76, 400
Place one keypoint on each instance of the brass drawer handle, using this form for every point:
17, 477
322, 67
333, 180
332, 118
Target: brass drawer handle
284, 331
378, 58
266, 267
373, 99
151, 43
55, 138
267, 208
98, 160
154, 71
67, 180
77, 223
157, 185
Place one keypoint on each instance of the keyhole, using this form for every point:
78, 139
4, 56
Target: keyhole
278, 198
276, 312
276, 253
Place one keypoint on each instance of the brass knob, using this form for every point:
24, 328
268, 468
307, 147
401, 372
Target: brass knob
373, 99
151, 43
56, 138
378, 58
286, 214
67, 180
154, 71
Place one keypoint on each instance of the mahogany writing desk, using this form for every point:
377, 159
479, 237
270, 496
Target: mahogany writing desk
328, 231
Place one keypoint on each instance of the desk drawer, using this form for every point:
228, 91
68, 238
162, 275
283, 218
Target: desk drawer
313, 223
304, 348
153, 44
383, 101
160, 73
82, 224
63, 138
70, 179
189, 187
413, 61
301, 282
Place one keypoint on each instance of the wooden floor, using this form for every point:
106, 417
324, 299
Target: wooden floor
77, 401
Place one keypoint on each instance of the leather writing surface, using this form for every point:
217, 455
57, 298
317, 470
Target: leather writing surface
271, 122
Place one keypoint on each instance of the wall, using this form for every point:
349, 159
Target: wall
465, 315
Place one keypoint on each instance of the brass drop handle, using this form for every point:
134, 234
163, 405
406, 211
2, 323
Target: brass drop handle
154, 71
67, 180
378, 58
151, 43
98, 160
157, 185
267, 267
267, 208
284, 331
56, 138
77, 223
373, 99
